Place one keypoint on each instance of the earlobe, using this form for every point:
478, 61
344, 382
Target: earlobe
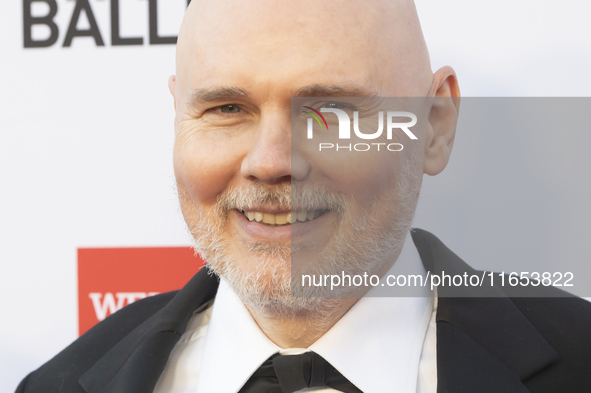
443, 119
172, 87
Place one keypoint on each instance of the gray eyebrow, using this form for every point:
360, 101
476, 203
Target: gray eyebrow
318, 90
204, 95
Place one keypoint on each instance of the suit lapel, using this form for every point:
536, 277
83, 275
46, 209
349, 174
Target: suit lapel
136, 362
484, 343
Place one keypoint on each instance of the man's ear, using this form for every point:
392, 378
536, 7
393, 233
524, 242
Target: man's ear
172, 87
443, 118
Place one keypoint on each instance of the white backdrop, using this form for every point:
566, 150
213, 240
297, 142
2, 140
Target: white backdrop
86, 147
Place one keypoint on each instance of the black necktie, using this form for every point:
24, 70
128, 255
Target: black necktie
290, 373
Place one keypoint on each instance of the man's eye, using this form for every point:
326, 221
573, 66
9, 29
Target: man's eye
230, 108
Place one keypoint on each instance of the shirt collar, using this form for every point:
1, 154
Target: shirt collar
383, 335
235, 346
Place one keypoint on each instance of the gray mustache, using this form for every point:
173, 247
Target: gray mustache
292, 196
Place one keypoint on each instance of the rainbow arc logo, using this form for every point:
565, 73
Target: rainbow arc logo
316, 117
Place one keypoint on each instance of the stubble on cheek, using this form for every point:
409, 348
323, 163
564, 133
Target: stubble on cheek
205, 228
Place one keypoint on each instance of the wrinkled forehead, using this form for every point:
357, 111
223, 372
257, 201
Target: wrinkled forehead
371, 43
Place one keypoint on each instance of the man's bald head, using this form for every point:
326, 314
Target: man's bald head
376, 44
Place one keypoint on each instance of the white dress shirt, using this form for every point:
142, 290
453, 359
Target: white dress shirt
382, 344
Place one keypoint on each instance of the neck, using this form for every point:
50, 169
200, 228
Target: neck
300, 329
289, 328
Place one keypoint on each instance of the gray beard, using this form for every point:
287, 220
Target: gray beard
359, 244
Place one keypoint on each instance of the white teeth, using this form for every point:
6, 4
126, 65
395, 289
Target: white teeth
282, 218
269, 218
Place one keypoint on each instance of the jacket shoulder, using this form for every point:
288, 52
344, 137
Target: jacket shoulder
561, 319
565, 323
61, 373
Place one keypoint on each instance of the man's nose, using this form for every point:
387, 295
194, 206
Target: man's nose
270, 158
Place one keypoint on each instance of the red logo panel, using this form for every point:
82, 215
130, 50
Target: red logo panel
111, 278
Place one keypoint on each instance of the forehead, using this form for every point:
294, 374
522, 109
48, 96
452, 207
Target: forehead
282, 50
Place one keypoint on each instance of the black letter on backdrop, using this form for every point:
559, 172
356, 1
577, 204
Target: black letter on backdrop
154, 37
93, 31
115, 37
29, 21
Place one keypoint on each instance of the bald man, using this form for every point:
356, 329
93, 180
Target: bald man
258, 201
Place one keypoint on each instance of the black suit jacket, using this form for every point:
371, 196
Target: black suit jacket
484, 344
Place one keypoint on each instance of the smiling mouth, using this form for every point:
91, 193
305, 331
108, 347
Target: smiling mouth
283, 219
